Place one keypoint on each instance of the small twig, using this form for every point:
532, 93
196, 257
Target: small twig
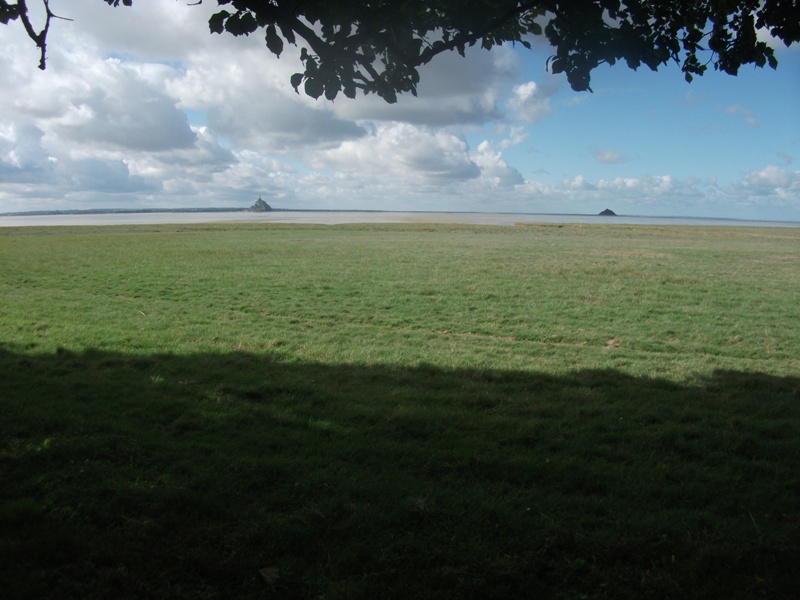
39, 38
758, 529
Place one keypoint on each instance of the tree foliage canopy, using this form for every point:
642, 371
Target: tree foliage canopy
377, 46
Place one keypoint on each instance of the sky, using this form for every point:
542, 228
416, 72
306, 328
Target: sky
143, 108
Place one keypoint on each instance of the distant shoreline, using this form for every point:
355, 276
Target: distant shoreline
121, 211
111, 217
147, 211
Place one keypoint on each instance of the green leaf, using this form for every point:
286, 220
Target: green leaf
217, 21
314, 88
296, 80
390, 96
241, 24
773, 62
332, 89
287, 33
274, 41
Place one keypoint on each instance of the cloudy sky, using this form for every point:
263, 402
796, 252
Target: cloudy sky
142, 107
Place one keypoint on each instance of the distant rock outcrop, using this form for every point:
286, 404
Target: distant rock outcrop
260, 206
608, 213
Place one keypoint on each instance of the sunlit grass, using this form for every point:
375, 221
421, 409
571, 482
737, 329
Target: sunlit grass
400, 411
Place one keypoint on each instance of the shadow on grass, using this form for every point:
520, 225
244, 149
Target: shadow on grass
242, 475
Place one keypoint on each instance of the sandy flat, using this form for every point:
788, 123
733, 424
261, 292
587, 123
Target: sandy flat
341, 217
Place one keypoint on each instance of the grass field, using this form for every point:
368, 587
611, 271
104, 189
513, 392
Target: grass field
400, 411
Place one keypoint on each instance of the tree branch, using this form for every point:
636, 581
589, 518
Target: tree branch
40, 39
464, 40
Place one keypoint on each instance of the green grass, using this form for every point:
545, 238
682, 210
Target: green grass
421, 411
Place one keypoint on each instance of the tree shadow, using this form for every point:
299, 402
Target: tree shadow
253, 475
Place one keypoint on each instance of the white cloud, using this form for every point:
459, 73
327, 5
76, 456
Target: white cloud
608, 156
22, 156
96, 175
403, 153
452, 90
249, 101
578, 183
746, 114
771, 181
531, 101
645, 187
152, 31
123, 111
494, 169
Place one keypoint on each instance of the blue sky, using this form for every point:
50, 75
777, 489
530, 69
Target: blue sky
143, 108
656, 123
